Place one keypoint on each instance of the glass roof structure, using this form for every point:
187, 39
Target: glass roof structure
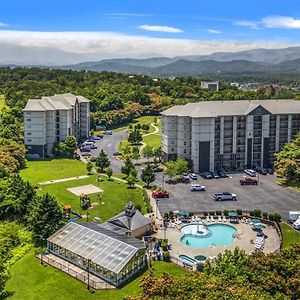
103, 247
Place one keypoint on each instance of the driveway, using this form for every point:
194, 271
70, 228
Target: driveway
266, 196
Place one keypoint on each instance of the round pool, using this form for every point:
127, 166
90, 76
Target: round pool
202, 236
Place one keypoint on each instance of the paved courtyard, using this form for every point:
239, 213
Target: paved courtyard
85, 189
266, 196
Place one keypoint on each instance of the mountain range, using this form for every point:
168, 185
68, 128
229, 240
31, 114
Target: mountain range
256, 61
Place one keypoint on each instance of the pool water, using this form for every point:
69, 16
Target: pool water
217, 235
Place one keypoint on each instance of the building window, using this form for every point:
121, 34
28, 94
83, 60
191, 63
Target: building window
28, 133
57, 132
184, 127
29, 113
57, 112
172, 149
28, 126
184, 143
184, 135
258, 112
28, 140
172, 142
57, 119
28, 120
184, 151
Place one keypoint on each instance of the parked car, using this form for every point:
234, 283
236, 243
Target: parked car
157, 169
225, 196
94, 146
261, 171
85, 149
85, 153
197, 187
88, 143
185, 177
215, 175
160, 194
193, 176
206, 175
100, 136
117, 153
271, 171
250, 172
248, 181
222, 174
90, 139
108, 132
96, 137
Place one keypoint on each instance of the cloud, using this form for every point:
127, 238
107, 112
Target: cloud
160, 28
281, 22
3, 24
214, 31
85, 46
250, 24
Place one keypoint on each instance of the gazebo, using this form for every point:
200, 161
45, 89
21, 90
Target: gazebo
233, 216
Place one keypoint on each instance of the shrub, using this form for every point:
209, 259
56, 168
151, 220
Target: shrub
205, 213
218, 212
166, 215
277, 217
265, 215
139, 207
167, 256
225, 212
212, 213
271, 217
251, 213
239, 212
257, 213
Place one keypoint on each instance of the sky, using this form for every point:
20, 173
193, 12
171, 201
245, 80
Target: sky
131, 28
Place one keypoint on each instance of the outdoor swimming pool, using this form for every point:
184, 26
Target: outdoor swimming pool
200, 236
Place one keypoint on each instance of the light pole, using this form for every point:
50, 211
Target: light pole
88, 274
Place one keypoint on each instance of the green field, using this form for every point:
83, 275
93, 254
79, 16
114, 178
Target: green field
153, 140
290, 235
44, 170
114, 197
32, 281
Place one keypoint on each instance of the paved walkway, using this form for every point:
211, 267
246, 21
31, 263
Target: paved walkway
63, 180
150, 133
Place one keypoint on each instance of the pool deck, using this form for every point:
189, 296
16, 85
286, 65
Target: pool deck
244, 240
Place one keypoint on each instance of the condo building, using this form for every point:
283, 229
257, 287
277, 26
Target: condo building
52, 119
229, 134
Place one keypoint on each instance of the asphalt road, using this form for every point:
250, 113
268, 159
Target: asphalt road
266, 196
110, 144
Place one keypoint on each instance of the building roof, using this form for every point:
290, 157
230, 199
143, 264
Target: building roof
130, 219
211, 109
56, 102
103, 247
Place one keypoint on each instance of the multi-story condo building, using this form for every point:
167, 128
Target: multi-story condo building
52, 119
211, 85
229, 134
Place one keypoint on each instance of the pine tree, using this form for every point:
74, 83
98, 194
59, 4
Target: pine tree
128, 167
45, 217
148, 175
102, 161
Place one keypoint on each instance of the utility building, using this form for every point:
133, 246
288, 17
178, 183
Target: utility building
229, 134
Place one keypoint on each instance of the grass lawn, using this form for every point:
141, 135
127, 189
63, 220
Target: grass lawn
31, 281
44, 170
115, 196
290, 235
153, 140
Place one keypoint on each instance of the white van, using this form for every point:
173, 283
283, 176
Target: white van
197, 187
250, 172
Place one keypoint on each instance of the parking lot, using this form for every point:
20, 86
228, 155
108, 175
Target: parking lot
266, 196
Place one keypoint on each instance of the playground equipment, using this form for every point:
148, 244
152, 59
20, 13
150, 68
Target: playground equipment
85, 201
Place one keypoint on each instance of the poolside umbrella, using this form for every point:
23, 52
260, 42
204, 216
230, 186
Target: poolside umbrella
259, 226
184, 213
255, 221
232, 214
198, 220
200, 257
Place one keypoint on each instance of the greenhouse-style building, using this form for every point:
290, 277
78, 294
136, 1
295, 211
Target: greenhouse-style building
111, 256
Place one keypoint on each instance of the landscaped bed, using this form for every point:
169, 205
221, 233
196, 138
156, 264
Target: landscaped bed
290, 235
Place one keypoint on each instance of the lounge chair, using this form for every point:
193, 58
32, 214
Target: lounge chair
224, 219
219, 219
207, 218
212, 219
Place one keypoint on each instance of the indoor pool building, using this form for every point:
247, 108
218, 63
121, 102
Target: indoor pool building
113, 257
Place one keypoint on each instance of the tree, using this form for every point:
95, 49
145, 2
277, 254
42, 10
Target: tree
128, 167
45, 217
171, 169
132, 178
89, 167
109, 172
182, 166
3, 279
71, 144
157, 152
148, 176
135, 136
136, 153
102, 161
148, 152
